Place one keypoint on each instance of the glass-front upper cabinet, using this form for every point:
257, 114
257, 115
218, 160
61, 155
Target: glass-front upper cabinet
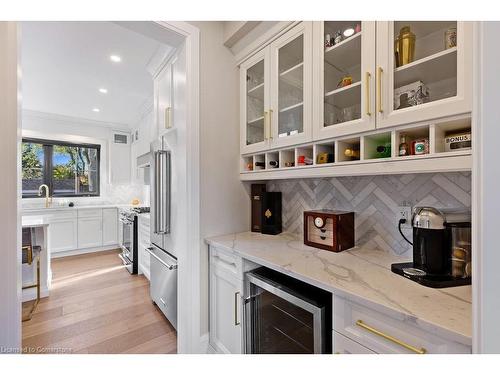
290, 112
424, 70
344, 75
254, 92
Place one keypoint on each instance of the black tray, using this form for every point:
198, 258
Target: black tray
431, 281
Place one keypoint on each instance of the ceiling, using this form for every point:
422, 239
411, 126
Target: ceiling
65, 63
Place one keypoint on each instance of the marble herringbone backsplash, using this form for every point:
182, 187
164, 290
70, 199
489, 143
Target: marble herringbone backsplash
375, 200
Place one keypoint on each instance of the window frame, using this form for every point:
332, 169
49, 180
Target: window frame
48, 166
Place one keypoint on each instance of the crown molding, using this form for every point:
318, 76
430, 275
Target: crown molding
75, 120
159, 59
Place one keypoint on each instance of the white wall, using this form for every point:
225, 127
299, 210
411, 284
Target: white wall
54, 127
225, 204
486, 188
10, 266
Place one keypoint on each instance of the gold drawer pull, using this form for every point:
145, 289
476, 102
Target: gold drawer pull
379, 90
361, 324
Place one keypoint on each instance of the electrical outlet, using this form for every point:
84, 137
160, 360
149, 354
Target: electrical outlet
404, 212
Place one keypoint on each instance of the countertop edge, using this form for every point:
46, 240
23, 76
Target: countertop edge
423, 323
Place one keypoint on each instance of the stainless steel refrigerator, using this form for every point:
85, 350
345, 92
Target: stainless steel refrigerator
163, 272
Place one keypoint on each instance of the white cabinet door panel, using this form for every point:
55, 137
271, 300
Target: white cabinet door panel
225, 311
89, 232
109, 226
62, 235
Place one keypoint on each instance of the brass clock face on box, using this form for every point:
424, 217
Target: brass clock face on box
319, 222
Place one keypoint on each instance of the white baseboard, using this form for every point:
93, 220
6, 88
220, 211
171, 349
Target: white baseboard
204, 345
69, 253
30, 294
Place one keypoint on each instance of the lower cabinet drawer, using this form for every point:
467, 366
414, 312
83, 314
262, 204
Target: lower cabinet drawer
344, 345
384, 334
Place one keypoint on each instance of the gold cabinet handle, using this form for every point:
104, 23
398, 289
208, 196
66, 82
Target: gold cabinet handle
236, 298
270, 124
363, 325
379, 89
168, 123
367, 93
266, 114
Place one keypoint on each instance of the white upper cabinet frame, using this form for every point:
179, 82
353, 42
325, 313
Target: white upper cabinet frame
385, 77
261, 90
164, 99
304, 29
364, 88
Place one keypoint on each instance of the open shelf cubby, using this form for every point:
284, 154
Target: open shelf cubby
273, 160
307, 153
457, 131
324, 153
349, 149
366, 156
259, 162
378, 146
287, 158
420, 133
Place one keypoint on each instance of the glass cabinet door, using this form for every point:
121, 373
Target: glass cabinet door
424, 70
290, 111
254, 85
346, 67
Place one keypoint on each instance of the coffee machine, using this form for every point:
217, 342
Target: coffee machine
441, 249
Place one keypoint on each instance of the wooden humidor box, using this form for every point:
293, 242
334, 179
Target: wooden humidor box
329, 230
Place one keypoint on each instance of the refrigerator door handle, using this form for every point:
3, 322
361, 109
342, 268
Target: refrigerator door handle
162, 192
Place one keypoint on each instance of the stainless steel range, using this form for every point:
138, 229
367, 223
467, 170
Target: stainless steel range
128, 238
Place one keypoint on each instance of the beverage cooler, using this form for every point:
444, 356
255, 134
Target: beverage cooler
286, 316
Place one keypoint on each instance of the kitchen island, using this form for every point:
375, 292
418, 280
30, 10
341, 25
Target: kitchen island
361, 276
39, 228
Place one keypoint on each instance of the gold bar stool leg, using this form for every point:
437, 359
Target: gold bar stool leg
37, 285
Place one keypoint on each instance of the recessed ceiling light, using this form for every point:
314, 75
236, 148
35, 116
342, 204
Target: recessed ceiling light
115, 58
96, 110
103, 90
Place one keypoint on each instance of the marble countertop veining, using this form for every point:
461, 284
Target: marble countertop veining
359, 274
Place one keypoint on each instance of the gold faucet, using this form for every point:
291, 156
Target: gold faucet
48, 199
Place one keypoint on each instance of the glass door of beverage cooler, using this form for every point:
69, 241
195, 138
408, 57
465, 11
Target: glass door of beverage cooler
280, 321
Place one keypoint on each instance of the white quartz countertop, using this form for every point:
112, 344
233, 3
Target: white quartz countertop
30, 210
33, 221
359, 274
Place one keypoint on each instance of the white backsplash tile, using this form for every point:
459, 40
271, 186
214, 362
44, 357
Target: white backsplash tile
375, 200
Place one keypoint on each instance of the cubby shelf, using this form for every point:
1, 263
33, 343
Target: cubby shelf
369, 161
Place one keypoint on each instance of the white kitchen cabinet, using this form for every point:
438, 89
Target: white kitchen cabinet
89, 231
344, 345
226, 327
276, 93
386, 334
109, 226
254, 102
446, 72
341, 107
62, 234
163, 100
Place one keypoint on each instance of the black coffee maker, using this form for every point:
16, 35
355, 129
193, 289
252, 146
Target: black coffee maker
441, 249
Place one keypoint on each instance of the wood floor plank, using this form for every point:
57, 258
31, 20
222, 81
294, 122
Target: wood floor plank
128, 340
96, 306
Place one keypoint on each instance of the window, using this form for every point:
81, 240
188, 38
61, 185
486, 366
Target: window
69, 170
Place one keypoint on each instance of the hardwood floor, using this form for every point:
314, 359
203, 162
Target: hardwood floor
96, 306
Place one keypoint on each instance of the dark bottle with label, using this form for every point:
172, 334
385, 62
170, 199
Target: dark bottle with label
260, 164
404, 149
